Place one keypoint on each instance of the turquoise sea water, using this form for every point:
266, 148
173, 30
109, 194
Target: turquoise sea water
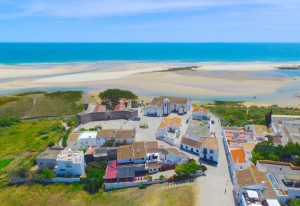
27, 53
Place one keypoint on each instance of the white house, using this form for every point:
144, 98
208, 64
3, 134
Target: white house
162, 105
117, 135
254, 188
172, 156
238, 158
131, 154
209, 149
169, 129
190, 145
199, 113
88, 139
70, 162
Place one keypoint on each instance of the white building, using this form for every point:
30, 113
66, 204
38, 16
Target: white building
162, 105
70, 162
209, 149
86, 139
190, 145
169, 129
172, 156
200, 113
116, 135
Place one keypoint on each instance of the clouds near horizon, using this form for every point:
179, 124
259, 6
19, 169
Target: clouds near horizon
149, 20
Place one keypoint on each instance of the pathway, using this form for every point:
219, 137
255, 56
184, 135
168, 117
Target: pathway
216, 188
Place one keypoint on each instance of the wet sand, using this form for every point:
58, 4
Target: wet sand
211, 80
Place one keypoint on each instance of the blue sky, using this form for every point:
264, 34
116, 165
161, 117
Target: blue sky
149, 21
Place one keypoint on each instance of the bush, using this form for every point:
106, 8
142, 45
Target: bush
187, 169
203, 168
51, 144
161, 177
149, 178
8, 122
47, 174
142, 186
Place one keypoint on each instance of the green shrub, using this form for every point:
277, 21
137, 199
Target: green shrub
142, 186
65, 137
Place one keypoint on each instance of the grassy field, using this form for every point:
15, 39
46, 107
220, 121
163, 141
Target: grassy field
40, 104
21, 142
154, 195
236, 114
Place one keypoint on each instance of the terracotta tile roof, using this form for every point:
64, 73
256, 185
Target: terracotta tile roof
245, 177
111, 133
210, 143
238, 155
100, 108
151, 146
124, 152
191, 142
137, 150
74, 136
252, 176
199, 109
120, 107
175, 121
173, 151
138, 144
158, 101
90, 151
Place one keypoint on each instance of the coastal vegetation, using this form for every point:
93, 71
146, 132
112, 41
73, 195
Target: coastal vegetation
22, 141
111, 97
237, 114
40, 104
268, 151
289, 67
185, 68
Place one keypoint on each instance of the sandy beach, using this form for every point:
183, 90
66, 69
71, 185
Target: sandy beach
253, 82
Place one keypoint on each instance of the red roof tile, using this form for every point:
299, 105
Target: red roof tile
111, 170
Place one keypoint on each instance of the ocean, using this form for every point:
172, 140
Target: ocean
29, 53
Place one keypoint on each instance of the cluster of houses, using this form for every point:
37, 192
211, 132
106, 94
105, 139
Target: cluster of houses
267, 182
125, 163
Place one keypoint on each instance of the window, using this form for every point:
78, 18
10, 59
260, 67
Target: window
211, 151
197, 150
68, 165
186, 147
62, 170
204, 151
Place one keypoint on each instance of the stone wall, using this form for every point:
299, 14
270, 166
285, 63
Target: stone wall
113, 115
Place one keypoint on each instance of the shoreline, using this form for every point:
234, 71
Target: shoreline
222, 80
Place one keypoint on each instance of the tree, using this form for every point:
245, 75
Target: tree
268, 118
294, 203
47, 173
94, 180
187, 169
111, 97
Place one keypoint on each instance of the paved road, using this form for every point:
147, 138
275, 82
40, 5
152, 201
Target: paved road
212, 187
